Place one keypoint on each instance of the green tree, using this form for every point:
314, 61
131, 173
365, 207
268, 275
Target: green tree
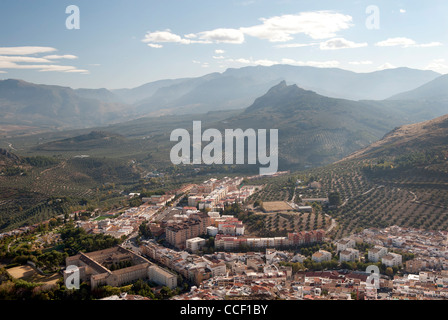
334, 198
389, 271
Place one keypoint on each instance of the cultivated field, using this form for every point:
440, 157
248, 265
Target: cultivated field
29, 274
417, 198
276, 206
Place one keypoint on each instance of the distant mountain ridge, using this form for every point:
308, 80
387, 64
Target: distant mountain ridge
436, 89
99, 94
238, 88
50, 107
53, 107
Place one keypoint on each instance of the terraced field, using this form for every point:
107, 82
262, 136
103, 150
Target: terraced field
31, 197
416, 198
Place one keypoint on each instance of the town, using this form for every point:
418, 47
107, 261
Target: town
191, 238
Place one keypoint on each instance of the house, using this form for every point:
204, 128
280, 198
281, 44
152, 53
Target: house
298, 258
345, 244
376, 253
349, 255
195, 244
391, 259
321, 256
415, 266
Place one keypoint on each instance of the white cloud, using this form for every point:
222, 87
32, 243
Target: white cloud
164, 36
196, 62
405, 43
155, 45
12, 65
438, 65
340, 43
20, 58
394, 42
320, 64
25, 50
222, 35
402, 11
3, 71
265, 62
23, 59
295, 45
386, 65
240, 60
268, 62
78, 71
431, 44
317, 25
218, 57
190, 36
65, 56
358, 63
219, 51
154, 39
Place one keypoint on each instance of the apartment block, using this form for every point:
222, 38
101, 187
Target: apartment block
376, 253
391, 259
345, 244
321, 256
349, 255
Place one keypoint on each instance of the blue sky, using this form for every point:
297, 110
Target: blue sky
123, 44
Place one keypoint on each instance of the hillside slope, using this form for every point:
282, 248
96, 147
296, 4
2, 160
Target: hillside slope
52, 107
435, 90
313, 130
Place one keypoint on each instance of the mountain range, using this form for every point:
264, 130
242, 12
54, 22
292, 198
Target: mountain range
435, 90
238, 88
314, 130
54, 107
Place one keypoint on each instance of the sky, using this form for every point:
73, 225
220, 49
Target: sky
123, 44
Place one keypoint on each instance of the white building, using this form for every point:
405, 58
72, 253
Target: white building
214, 214
349, 255
321, 256
194, 200
212, 231
345, 244
217, 269
162, 277
240, 229
376, 253
391, 259
426, 277
298, 258
195, 244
